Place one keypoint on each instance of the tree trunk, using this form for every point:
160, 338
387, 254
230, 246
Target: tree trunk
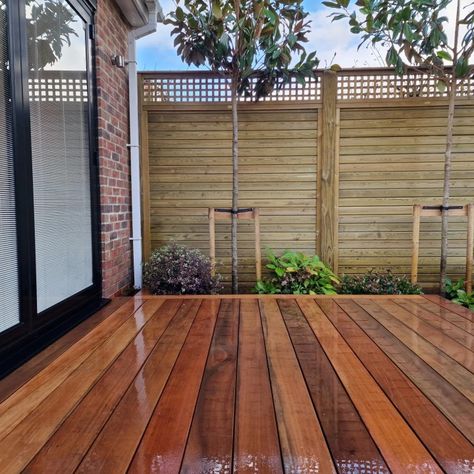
452, 90
235, 186
447, 186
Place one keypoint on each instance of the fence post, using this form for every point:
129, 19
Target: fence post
329, 171
145, 174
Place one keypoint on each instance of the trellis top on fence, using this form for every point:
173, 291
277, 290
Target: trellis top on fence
353, 85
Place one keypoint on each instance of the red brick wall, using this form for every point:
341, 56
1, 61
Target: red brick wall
112, 97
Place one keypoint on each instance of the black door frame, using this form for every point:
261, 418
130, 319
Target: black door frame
35, 331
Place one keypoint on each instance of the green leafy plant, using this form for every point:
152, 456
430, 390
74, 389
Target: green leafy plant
376, 283
457, 294
298, 274
258, 46
414, 34
452, 287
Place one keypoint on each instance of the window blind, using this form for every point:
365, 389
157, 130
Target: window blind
9, 302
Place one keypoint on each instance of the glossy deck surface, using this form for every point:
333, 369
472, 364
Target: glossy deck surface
268, 385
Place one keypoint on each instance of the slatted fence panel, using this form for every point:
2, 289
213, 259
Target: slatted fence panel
382, 152
190, 170
391, 158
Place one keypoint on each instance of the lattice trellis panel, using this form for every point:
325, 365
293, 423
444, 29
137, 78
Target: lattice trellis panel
203, 87
384, 84
59, 87
353, 84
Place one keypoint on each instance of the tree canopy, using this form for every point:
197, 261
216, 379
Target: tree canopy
244, 39
413, 31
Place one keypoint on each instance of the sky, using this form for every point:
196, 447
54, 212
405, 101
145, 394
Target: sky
332, 41
156, 51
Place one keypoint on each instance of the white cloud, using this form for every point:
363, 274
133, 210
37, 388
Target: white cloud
335, 44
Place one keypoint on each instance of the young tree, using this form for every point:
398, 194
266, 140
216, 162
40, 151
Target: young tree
414, 33
256, 44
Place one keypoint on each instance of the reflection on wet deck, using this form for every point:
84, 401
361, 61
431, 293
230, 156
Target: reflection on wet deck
249, 384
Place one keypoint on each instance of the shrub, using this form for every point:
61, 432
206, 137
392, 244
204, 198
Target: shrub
455, 291
178, 270
298, 274
377, 283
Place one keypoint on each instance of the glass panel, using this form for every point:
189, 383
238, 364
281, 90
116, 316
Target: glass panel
9, 304
60, 147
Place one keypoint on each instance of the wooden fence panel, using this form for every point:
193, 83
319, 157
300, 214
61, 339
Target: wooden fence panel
189, 170
390, 159
335, 167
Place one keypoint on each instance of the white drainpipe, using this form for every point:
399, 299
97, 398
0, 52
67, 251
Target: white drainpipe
155, 14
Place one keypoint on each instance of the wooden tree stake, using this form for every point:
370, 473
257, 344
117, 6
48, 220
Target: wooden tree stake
435, 211
258, 251
415, 242
243, 214
212, 240
470, 246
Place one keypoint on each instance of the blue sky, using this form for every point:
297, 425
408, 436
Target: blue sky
156, 52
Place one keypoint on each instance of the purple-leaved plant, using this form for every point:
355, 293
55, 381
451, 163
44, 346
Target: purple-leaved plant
178, 270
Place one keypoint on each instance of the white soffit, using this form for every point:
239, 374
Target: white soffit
134, 11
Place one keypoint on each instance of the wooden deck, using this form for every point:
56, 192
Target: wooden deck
249, 384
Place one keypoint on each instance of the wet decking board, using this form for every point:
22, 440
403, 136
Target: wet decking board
435, 316
140, 399
256, 443
63, 452
249, 384
442, 439
454, 373
211, 436
351, 445
448, 400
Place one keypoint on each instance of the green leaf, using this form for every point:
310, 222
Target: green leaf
331, 4
444, 55
405, 14
300, 80
392, 56
462, 67
217, 10
271, 16
279, 271
409, 35
179, 14
276, 54
338, 16
292, 39
441, 86
435, 37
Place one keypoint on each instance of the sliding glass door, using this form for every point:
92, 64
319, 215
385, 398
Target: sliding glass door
60, 139
49, 217
9, 297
